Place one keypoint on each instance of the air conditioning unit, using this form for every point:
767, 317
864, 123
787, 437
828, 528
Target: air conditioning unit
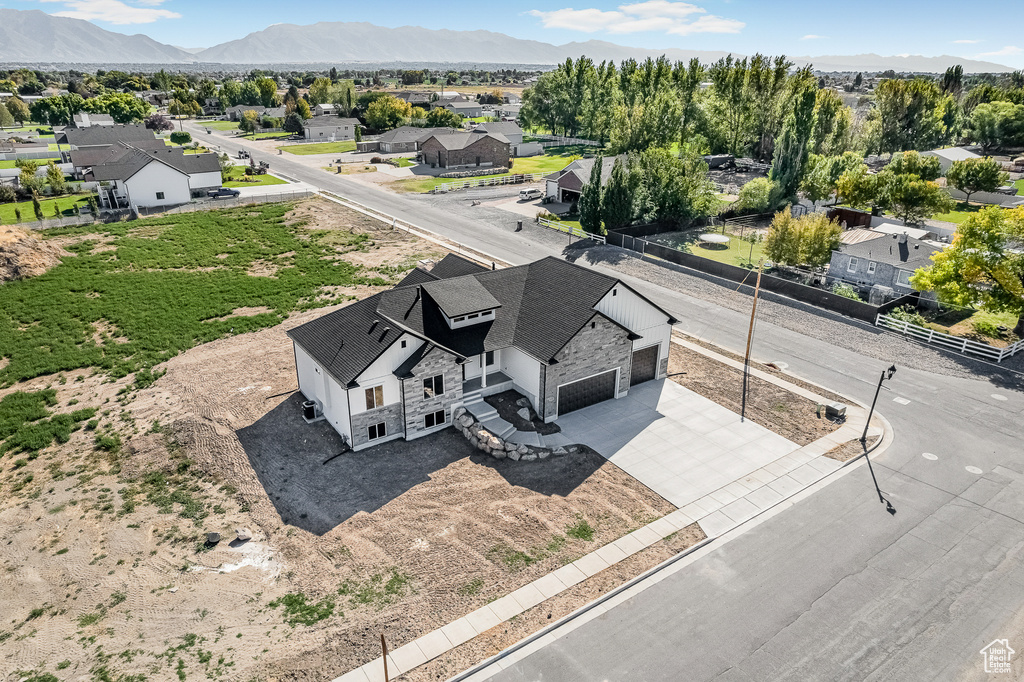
835, 411
312, 411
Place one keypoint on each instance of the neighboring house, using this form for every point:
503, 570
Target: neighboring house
397, 364
85, 119
105, 135
449, 96
330, 128
462, 150
236, 112
211, 107
134, 177
466, 109
323, 109
886, 262
416, 99
405, 139
507, 110
565, 186
946, 157
510, 98
914, 232
509, 129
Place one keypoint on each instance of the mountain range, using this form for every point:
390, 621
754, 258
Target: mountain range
32, 36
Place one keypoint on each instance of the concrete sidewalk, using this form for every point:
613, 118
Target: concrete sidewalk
717, 513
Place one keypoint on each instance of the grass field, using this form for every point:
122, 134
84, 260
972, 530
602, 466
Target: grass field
268, 136
959, 214
320, 148
1020, 187
8, 164
238, 172
68, 204
163, 287
219, 125
736, 252
547, 163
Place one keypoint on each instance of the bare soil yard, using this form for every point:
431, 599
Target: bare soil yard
105, 575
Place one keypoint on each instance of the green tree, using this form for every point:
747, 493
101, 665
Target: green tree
858, 187
302, 109
123, 107
225, 167
267, 92
791, 149
230, 93
249, 95
293, 123
767, 81
37, 208
617, 201
320, 91
442, 118
997, 125
821, 178
976, 175
19, 110
912, 114
590, 200
730, 103
782, 244
55, 179
808, 240
181, 137
387, 113
833, 122
343, 96
910, 198
57, 110
671, 189
28, 180
983, 267
249, 122
912, 163
757, 196
6, 120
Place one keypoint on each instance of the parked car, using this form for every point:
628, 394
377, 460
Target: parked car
222, 192
530, 194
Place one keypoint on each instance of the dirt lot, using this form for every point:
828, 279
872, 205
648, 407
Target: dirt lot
106, 576
771, 406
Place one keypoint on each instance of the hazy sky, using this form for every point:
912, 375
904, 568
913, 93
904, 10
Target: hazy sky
982, 29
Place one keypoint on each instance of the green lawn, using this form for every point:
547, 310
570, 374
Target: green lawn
219, 125
8, 164
1020, 187
68, 204
547, 163
320, 148
736, 252
47, 130
164, 286
405, 163
238, 172
959, 214
268, 136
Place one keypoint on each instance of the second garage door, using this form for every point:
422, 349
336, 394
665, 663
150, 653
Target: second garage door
645, 365
586, 392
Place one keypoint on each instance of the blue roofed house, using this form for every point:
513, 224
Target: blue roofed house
397, 364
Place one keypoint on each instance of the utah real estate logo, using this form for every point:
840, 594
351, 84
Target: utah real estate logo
997, 656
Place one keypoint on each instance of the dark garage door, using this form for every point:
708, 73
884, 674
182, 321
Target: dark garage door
645, 365
585, 392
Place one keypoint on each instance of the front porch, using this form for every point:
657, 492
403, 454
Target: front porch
493, 382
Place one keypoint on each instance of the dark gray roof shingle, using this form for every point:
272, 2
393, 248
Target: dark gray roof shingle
905, 255
459, 296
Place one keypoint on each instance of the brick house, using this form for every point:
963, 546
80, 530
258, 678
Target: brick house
466, 150
397, 364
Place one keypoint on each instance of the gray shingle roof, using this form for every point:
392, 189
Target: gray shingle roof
456, 141
909, 255
123, 160
97, 135
406, 134
455, 266
460, 296
505, 128
330, 122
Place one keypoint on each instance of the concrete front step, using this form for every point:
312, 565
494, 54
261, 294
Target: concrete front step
496, 425
554, 440
531, 438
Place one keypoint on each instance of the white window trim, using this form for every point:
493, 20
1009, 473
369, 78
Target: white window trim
852, 265
872, 266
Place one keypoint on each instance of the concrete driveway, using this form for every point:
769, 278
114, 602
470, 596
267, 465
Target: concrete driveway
678, 443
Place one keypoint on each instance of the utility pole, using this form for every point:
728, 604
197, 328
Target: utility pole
750, 338
384, 647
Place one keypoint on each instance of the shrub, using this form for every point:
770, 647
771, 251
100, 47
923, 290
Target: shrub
757, 195
376, 159
846, 291
988, 325
7, 194
181, 137
909, 314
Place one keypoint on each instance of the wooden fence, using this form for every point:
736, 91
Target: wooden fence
569, 229
948, 341
487, 182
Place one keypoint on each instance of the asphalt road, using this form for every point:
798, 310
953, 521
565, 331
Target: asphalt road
835, 587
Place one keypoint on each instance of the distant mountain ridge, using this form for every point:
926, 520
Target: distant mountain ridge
32, 36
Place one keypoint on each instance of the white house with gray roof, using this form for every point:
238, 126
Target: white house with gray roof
330, 128
130, 176
397, 364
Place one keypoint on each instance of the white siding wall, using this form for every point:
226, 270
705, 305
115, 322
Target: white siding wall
316, 384
382, 372
204, 180
156, 177
524, 370
639, 316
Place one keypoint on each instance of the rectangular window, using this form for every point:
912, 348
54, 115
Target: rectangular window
474, 316
489, 358
852, 265
159, 195
375, 431
871, 267
903, 277
460, 319
434, 419
374, 397
433, 386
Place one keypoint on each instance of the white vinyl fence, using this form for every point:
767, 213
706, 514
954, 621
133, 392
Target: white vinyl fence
569, 229
948, 341
487, 182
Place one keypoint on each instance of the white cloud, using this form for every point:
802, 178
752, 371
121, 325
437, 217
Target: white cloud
811, 36
1008, 51
114, 11
663, 16
966, 42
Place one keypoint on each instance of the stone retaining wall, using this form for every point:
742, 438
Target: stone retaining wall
489, 443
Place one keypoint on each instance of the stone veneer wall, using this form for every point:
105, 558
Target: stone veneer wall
592, 351
391, 415
433, 363
663, 364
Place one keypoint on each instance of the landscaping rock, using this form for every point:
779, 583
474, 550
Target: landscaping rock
212, 538
494, 443
524, 413
514, 455
529, 457
499, 454
510, 447
243, 534
465, 420
523, 402
459, 411
522, 450
543, 454
559, 451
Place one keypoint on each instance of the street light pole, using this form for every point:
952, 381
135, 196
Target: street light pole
886, 374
